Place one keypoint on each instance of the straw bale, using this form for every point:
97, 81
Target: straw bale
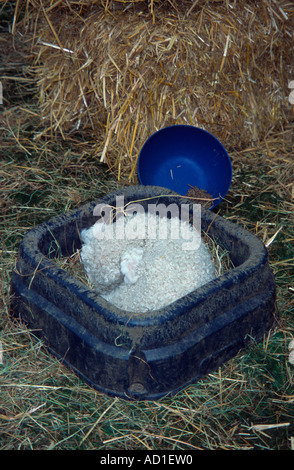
114, 72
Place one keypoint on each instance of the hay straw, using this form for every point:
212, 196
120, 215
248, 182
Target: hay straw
118, 71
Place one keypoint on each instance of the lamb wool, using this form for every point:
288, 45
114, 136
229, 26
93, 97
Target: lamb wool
133, 266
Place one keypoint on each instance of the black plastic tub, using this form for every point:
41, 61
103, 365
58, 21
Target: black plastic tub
149, 355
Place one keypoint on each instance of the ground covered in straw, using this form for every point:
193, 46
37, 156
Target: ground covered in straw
47, 169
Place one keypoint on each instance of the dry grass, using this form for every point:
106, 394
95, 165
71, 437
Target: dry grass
116, 71
248, 402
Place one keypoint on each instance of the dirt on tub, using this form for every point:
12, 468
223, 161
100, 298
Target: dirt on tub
200, 196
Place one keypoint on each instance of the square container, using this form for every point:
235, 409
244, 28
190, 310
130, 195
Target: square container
149, 355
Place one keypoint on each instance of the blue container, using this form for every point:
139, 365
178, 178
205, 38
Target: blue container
181, 156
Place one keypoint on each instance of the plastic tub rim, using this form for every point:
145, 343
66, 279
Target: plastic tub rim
40, 261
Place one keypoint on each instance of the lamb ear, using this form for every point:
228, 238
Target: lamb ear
130, 261
84, 235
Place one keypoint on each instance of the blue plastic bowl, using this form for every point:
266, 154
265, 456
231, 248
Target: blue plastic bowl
181, 156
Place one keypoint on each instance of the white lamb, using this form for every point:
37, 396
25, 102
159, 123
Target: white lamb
141, 274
